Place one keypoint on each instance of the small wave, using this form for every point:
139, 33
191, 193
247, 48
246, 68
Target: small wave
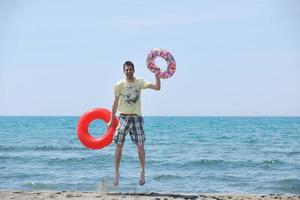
71, 159
59, 186
23, 175
293, 153
164, 177
205, 162
7, 148
271, 163
5, 157
224, 137
250, 141
80, 160
55, 148
38, 186
289, 185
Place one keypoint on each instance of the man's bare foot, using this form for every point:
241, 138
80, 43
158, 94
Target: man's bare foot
142, 178
116, 180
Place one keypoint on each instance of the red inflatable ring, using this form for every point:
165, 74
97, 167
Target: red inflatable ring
83, 128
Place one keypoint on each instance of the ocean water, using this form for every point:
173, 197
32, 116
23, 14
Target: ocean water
183, 154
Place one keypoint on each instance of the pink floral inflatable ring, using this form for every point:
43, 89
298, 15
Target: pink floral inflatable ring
151, 56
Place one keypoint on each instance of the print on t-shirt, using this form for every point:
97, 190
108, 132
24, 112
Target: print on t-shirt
131, 94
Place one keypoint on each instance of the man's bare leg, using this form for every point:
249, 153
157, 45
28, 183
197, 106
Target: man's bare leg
141, 152
118, 155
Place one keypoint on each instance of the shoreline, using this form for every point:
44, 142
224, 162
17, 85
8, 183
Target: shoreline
68, 195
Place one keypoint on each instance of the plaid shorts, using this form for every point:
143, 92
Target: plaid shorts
132, 124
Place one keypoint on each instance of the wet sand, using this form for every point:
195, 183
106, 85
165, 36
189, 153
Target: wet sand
72, 195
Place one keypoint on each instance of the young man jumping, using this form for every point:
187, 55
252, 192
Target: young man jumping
128, 102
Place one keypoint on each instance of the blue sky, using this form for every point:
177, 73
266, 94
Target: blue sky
234, 58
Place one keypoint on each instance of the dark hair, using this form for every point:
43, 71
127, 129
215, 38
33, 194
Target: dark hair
128, 63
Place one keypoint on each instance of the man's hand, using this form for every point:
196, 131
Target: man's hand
113, 112
109, 124
156, 75
157, 82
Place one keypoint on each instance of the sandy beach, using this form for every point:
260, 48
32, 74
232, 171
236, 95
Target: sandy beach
67, 195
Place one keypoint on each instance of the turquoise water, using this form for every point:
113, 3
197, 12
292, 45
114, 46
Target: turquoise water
183, 154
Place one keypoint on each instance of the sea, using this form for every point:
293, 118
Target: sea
183, 155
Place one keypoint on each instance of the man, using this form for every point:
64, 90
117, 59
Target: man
128, 103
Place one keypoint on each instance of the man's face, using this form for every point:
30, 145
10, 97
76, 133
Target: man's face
128, 71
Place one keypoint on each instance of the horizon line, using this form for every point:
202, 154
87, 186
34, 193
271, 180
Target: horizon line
159, 115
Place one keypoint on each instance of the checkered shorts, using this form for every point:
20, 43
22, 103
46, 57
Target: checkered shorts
132, 124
